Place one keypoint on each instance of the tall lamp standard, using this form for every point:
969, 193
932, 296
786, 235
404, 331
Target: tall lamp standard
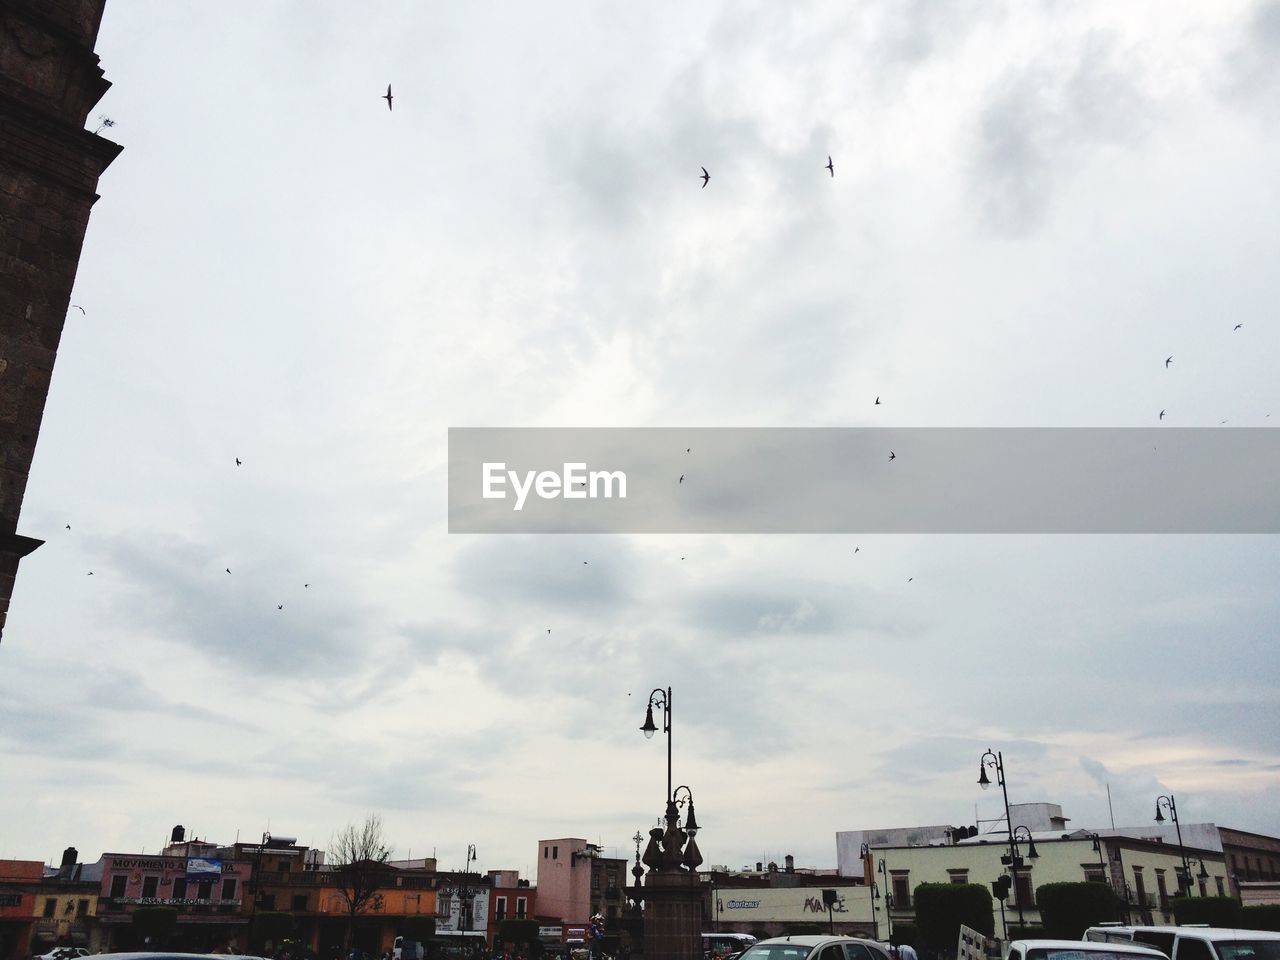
461, 890
888, 901
995, 761
1168, 803
662, 699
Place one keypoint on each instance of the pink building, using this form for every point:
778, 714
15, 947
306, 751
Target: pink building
208, 892
574, 881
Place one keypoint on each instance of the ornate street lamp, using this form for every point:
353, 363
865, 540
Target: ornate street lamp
995, 761
1168, 803
662, 699
461, 890
888, 899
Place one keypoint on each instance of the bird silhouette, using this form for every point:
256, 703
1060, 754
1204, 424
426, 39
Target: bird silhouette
237, 461
1161, 414
706, 178
856, 549
279, 606
877, 401
831, 166
584, 563
68, 526
548, 630
228, 569
305, 586
387, 96
1238, 326
82, 313
681, 480
892, 455
1168, 361
90, 573
909, 579
688, 449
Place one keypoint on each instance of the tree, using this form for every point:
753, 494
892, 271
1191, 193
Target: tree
1214, 911
155, 924
942, 907
1262, 916
359, 855
518, 931
272, 925
1069, 909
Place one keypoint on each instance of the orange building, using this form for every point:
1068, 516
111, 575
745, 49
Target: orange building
19, 885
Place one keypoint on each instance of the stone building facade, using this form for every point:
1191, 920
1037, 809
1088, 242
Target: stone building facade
49, 169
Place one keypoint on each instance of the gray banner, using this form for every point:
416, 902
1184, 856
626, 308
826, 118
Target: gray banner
843, 480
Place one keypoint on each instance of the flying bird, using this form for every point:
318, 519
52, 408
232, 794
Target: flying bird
387, 96
91, 573
1168, 361
688, 449
877, 401
237, 461
228, 569
831, 166
279, 606
305, 586
681, 480
909, 579
856, 549
548, 630
706, 178
68, 526
1238, 326
892, 455
82, 313
1161, 414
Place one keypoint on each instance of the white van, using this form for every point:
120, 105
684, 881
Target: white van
1195, 943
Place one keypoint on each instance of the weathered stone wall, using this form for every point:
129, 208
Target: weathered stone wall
49, 170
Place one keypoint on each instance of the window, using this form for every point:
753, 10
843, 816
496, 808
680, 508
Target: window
205, 889
1193, 948
501, 908
1221, 892
958, 876
149, 885
117, 885
544, 852
299, 902
522, 906
283, 867
444, 906
268, 901
82, 908
901, 890
229, 888
831, 952
1022, 892
1140, 887
1094, 875
50, 906
555, 852
1163, 890
179, 888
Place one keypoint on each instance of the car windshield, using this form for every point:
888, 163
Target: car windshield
1085, 953
776, 951
1249, 949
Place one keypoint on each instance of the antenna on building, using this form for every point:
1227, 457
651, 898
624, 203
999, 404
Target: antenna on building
1113, 813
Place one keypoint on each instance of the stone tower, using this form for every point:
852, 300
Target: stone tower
49, 169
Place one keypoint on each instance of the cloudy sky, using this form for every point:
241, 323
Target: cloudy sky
1034, 204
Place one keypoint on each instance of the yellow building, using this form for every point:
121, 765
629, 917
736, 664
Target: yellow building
1144, 873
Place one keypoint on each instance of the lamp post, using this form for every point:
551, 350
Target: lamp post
662, 699
888, 900
462, 891
995, 761
1169, 804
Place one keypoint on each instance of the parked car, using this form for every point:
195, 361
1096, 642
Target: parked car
1194, 943
726, 946
810, 947
64, 953
1078, 950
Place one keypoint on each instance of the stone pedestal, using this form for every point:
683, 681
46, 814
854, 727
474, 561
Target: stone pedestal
672, 916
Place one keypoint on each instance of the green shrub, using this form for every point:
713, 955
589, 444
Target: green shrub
1214, 911
942, 907
1067, 910
1262, 916
517, 931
